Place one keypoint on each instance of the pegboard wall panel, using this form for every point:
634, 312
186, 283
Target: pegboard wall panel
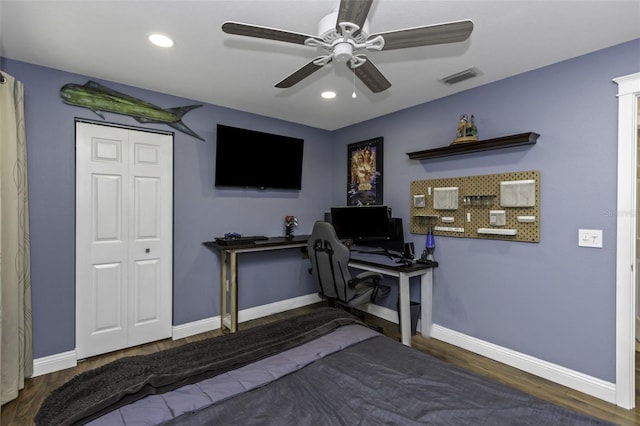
504, 206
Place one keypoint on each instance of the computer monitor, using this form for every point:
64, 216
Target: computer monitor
361, 223
394, 244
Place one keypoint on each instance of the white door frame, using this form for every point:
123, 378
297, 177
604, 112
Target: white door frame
143, 248
628, 93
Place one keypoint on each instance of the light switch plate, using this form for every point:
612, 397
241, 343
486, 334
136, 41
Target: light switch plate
590, 238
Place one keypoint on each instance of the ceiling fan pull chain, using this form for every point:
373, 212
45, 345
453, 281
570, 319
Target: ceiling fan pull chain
353, 95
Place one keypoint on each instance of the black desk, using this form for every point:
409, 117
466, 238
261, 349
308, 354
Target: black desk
364, 261
230, 268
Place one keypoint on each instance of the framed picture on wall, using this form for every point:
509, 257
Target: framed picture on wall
364, 173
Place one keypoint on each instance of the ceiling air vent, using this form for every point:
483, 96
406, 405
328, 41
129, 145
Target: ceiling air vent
461, 76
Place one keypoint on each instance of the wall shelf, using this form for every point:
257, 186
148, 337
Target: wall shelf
520, 139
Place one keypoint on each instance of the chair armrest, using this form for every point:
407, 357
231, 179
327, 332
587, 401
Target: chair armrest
370, 276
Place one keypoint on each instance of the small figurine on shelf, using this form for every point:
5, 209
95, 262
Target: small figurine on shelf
290, 222
467, 130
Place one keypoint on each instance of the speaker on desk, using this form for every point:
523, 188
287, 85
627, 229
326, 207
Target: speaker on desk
327, 217
409, 251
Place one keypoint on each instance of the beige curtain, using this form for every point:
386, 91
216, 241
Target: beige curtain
16, 358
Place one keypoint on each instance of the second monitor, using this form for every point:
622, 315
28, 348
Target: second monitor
369, 226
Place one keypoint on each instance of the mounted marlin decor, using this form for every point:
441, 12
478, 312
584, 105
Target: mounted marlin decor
99, 99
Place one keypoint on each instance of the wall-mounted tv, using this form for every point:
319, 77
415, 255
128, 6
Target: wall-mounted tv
251, 159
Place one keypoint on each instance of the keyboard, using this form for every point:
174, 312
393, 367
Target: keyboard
242, 240
427, 262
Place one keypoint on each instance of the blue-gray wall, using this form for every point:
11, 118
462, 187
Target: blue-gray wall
550, 300
201, 212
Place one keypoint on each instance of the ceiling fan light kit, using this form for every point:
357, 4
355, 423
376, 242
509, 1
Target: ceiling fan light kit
343, 52
344, 35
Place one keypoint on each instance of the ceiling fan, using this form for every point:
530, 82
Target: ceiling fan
344, 34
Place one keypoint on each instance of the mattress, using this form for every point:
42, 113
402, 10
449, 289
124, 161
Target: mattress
320, 368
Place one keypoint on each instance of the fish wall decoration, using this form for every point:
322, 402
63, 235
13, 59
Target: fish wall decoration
99, 99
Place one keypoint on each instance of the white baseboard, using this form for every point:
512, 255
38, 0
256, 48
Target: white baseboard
555, 373
52, 363
381, 312
208, 324
196, 327
564, 376
277, 307
552, 372
64, 360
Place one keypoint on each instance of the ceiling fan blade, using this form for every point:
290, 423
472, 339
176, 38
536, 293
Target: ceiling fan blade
354, 11
449, 32
249, 30
371, 76
301, 73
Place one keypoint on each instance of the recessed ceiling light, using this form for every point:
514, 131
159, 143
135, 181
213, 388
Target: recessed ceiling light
328, 94
160, 40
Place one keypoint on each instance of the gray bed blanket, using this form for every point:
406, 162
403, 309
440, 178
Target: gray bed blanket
158, 409
96, 392
381, 382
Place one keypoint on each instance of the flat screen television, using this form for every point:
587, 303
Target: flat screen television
251, 159
361, 223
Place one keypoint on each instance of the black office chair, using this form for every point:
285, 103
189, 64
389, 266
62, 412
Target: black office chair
329, 267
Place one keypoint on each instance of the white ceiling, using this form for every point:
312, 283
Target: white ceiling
108, 40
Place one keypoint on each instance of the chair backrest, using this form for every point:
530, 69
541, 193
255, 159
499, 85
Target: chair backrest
329, 262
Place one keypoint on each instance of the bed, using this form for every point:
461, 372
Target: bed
324, 367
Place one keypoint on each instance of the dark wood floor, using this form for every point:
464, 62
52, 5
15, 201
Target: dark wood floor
22, 410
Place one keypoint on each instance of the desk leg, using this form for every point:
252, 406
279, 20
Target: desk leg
405, 312
233, 287
223, 288
426, 300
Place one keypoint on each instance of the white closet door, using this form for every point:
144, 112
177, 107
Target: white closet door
123, 238
150, 237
